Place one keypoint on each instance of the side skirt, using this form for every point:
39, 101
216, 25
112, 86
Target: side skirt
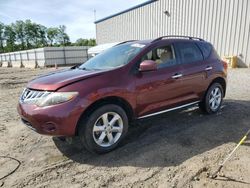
168, 110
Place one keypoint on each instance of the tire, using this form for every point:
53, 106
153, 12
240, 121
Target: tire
97, 130
214, 93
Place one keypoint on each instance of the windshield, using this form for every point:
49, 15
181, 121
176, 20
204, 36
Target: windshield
114, 57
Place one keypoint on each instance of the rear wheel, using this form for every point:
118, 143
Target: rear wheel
213, 99
104, 129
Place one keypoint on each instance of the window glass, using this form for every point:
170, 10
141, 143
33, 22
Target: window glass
205, 48
189, 52
163, 56
215, 53
114, 57
148, 56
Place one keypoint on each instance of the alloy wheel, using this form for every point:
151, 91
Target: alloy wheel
215, 98
108, 129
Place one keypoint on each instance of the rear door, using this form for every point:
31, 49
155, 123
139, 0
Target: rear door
194, 70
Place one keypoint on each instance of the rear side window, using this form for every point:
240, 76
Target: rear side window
206, 49
188, 52
215, 53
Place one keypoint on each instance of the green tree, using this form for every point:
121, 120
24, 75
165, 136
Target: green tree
1, 37
62, 37
92, 42
85, 42
42, 32
19, 28
35, 34
27, 34
10, 37
52, 34
81, 42
30, 33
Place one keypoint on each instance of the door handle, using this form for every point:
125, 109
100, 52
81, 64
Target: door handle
177, 75
208, 68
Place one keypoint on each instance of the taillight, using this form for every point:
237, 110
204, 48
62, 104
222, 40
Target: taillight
225, 65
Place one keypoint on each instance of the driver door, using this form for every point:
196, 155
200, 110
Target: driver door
160, 89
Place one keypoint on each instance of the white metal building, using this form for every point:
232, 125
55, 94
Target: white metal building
225, 23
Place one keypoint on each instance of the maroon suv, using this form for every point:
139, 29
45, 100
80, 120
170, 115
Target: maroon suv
136, 79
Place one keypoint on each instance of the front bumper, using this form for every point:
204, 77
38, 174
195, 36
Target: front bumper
56, 120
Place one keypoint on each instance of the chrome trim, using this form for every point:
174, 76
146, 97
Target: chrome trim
208, 68
177, 76
168, 110
30, 95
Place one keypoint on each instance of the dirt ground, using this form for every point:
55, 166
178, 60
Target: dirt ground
177, 149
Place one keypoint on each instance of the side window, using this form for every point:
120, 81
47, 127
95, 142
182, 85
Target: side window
205, 48
189, 52
148, 56
163, 56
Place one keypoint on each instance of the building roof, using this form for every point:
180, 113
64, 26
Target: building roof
124, 11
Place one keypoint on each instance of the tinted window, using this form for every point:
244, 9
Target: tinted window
189, 52
215, 53
205, 48
163, 56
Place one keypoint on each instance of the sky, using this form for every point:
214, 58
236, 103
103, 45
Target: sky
76, 15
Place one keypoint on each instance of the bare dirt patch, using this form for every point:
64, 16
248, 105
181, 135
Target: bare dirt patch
177, 149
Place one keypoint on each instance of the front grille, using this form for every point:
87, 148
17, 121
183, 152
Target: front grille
30, 95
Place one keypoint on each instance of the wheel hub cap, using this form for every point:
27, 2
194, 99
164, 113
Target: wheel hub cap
215, 98
108, 129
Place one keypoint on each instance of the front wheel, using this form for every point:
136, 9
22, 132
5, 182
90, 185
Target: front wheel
104, 129
213, 99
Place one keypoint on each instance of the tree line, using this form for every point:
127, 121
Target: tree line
24, 35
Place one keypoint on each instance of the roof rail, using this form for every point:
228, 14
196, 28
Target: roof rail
177, 36
125, 42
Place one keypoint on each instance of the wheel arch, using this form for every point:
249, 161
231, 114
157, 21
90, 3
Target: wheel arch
124, 104
221, 81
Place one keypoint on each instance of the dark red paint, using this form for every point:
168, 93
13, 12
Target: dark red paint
144, 92
148, 65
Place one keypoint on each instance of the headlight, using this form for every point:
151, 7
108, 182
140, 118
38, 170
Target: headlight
56, 98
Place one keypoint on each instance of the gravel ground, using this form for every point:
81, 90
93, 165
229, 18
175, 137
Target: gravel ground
177, 149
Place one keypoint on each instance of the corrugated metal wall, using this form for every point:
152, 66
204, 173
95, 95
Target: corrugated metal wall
26, 58
65, 55
47, 56
225, 23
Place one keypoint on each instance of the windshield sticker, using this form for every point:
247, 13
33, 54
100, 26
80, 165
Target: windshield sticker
137, 45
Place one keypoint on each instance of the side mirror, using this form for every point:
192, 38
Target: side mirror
148, 65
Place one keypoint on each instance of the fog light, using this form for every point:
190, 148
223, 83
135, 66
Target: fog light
49, 127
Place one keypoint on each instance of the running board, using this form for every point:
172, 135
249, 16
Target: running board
168, 110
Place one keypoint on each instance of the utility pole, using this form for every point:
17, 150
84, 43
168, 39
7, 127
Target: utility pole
94, 14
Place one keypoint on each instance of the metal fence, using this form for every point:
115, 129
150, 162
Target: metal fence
44, 57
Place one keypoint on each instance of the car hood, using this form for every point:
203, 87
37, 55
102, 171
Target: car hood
58, 79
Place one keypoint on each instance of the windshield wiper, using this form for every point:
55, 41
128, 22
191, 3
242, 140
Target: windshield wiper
74, 67
82, 68
78, 67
